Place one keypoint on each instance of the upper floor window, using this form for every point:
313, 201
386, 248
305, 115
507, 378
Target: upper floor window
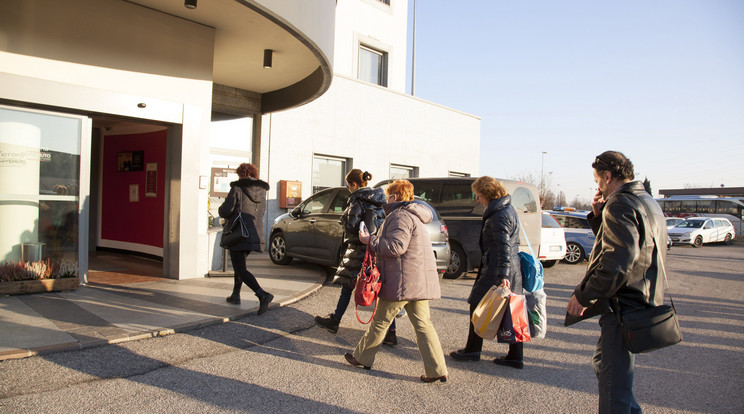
328, 172
372, 65
402, 172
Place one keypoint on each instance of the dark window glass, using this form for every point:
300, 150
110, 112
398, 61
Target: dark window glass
339, 202
426, 190
457, 194
576, 223
316, 203
706, 206
673, 207
548, 222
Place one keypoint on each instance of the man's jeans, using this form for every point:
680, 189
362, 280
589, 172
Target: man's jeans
614, 366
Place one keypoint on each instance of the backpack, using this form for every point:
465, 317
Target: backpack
532, 269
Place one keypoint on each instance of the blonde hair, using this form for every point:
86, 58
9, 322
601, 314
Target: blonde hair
489, 187
403, 190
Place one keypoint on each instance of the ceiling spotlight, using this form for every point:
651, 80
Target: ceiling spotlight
268, 55
189, 4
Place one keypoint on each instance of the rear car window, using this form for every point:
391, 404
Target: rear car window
457, 194
548, 222
523, 201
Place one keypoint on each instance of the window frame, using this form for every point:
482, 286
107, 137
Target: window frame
382, 67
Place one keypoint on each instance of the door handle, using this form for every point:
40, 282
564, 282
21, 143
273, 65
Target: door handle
312, 221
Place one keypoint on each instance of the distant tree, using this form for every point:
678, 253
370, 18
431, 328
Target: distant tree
647, 185
547, 196
560, 200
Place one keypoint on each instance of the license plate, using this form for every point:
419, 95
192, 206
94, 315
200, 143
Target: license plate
555, 248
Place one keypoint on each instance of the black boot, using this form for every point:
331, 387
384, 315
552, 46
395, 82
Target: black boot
234, 299
264, 299
328, 322
390, 338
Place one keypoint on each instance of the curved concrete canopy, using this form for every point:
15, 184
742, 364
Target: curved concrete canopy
301, 69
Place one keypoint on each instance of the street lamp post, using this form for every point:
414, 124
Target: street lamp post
542, 171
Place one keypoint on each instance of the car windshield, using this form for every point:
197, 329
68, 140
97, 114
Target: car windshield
691, 224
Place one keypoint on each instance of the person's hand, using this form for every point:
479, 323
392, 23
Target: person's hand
363, 234
598, 203
574, 308
505, 283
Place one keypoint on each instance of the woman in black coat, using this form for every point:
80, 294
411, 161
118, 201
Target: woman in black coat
247, 196
499, 243
364, 205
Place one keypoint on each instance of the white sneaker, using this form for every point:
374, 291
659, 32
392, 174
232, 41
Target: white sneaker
401, 313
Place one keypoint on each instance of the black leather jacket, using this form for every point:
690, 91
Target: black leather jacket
624, 263
499, 243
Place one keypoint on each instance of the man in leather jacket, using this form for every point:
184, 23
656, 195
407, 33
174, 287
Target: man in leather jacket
624, 271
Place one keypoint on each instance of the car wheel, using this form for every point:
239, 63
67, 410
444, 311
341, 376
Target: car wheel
278, 249
727, 239
458, 264
574, 253
698, 241
549, 263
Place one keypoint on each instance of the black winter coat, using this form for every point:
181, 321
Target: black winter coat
247, 196
363, 204
625, 262
499, 243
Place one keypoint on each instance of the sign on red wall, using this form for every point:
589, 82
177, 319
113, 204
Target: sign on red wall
133, 218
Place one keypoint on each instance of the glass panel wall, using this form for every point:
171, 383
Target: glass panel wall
39, 194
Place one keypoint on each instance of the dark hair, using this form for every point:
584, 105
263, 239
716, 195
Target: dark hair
616, 163
247, 170
358, 177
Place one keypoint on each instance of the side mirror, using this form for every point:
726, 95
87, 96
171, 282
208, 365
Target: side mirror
296, 212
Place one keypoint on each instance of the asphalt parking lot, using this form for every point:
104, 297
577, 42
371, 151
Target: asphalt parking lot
282, 362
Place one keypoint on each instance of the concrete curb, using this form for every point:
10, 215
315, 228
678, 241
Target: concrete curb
136, 336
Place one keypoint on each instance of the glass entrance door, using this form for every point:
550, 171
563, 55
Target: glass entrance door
44, 186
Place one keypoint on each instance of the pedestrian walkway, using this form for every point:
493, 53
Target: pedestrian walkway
105, 313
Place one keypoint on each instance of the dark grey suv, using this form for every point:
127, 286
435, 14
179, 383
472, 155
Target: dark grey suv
313, 232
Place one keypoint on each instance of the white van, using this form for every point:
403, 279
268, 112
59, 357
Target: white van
453, 198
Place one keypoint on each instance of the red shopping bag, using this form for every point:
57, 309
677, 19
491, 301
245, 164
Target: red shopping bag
367, 285
515, 326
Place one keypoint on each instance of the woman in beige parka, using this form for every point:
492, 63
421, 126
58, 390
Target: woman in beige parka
409, 279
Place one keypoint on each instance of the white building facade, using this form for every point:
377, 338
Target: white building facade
120, 120
366, 120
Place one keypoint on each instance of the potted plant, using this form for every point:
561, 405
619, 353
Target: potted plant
50, 275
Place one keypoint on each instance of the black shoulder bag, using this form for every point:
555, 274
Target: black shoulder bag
656, 327
235, 230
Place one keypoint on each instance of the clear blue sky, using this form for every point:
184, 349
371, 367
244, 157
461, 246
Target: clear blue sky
659, 80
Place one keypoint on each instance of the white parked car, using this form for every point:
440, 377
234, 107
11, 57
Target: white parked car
552, 241
673, 221
699, 230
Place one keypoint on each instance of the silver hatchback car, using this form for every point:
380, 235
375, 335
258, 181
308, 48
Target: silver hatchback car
312, 231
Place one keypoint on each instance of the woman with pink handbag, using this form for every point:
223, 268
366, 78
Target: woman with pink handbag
409, 280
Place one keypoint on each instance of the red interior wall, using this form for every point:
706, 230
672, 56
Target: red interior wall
134, 222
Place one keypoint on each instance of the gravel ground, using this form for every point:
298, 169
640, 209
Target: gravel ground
282, 362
